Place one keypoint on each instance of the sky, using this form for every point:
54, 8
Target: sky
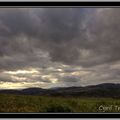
59, 47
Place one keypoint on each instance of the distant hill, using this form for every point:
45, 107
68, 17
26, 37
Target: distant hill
101, 90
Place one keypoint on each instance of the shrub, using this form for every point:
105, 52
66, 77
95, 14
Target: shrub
58, 108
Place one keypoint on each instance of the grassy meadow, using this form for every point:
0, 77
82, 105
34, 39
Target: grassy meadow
29, 103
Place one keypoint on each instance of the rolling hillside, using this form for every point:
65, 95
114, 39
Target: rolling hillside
101, 90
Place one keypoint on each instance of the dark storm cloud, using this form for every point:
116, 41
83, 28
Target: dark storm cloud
103, 35
5, 79
60, 28
23, 31
67, 34
105, 73
47, 37
71, 80
81, 36
17, 21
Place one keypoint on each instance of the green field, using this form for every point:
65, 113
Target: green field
29, 103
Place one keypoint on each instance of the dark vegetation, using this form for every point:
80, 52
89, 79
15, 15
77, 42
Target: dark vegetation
71, 99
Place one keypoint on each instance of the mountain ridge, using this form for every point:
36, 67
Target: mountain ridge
100, 90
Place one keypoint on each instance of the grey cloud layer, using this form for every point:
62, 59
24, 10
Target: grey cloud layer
45, 37
52, 30
61, 30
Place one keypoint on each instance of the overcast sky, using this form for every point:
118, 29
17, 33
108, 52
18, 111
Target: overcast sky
59, 47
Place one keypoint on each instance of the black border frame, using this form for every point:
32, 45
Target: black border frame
29, 4
59, 4
59, 115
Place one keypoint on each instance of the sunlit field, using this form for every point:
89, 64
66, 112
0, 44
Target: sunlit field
29, 103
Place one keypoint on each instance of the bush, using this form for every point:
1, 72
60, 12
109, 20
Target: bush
58, 108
